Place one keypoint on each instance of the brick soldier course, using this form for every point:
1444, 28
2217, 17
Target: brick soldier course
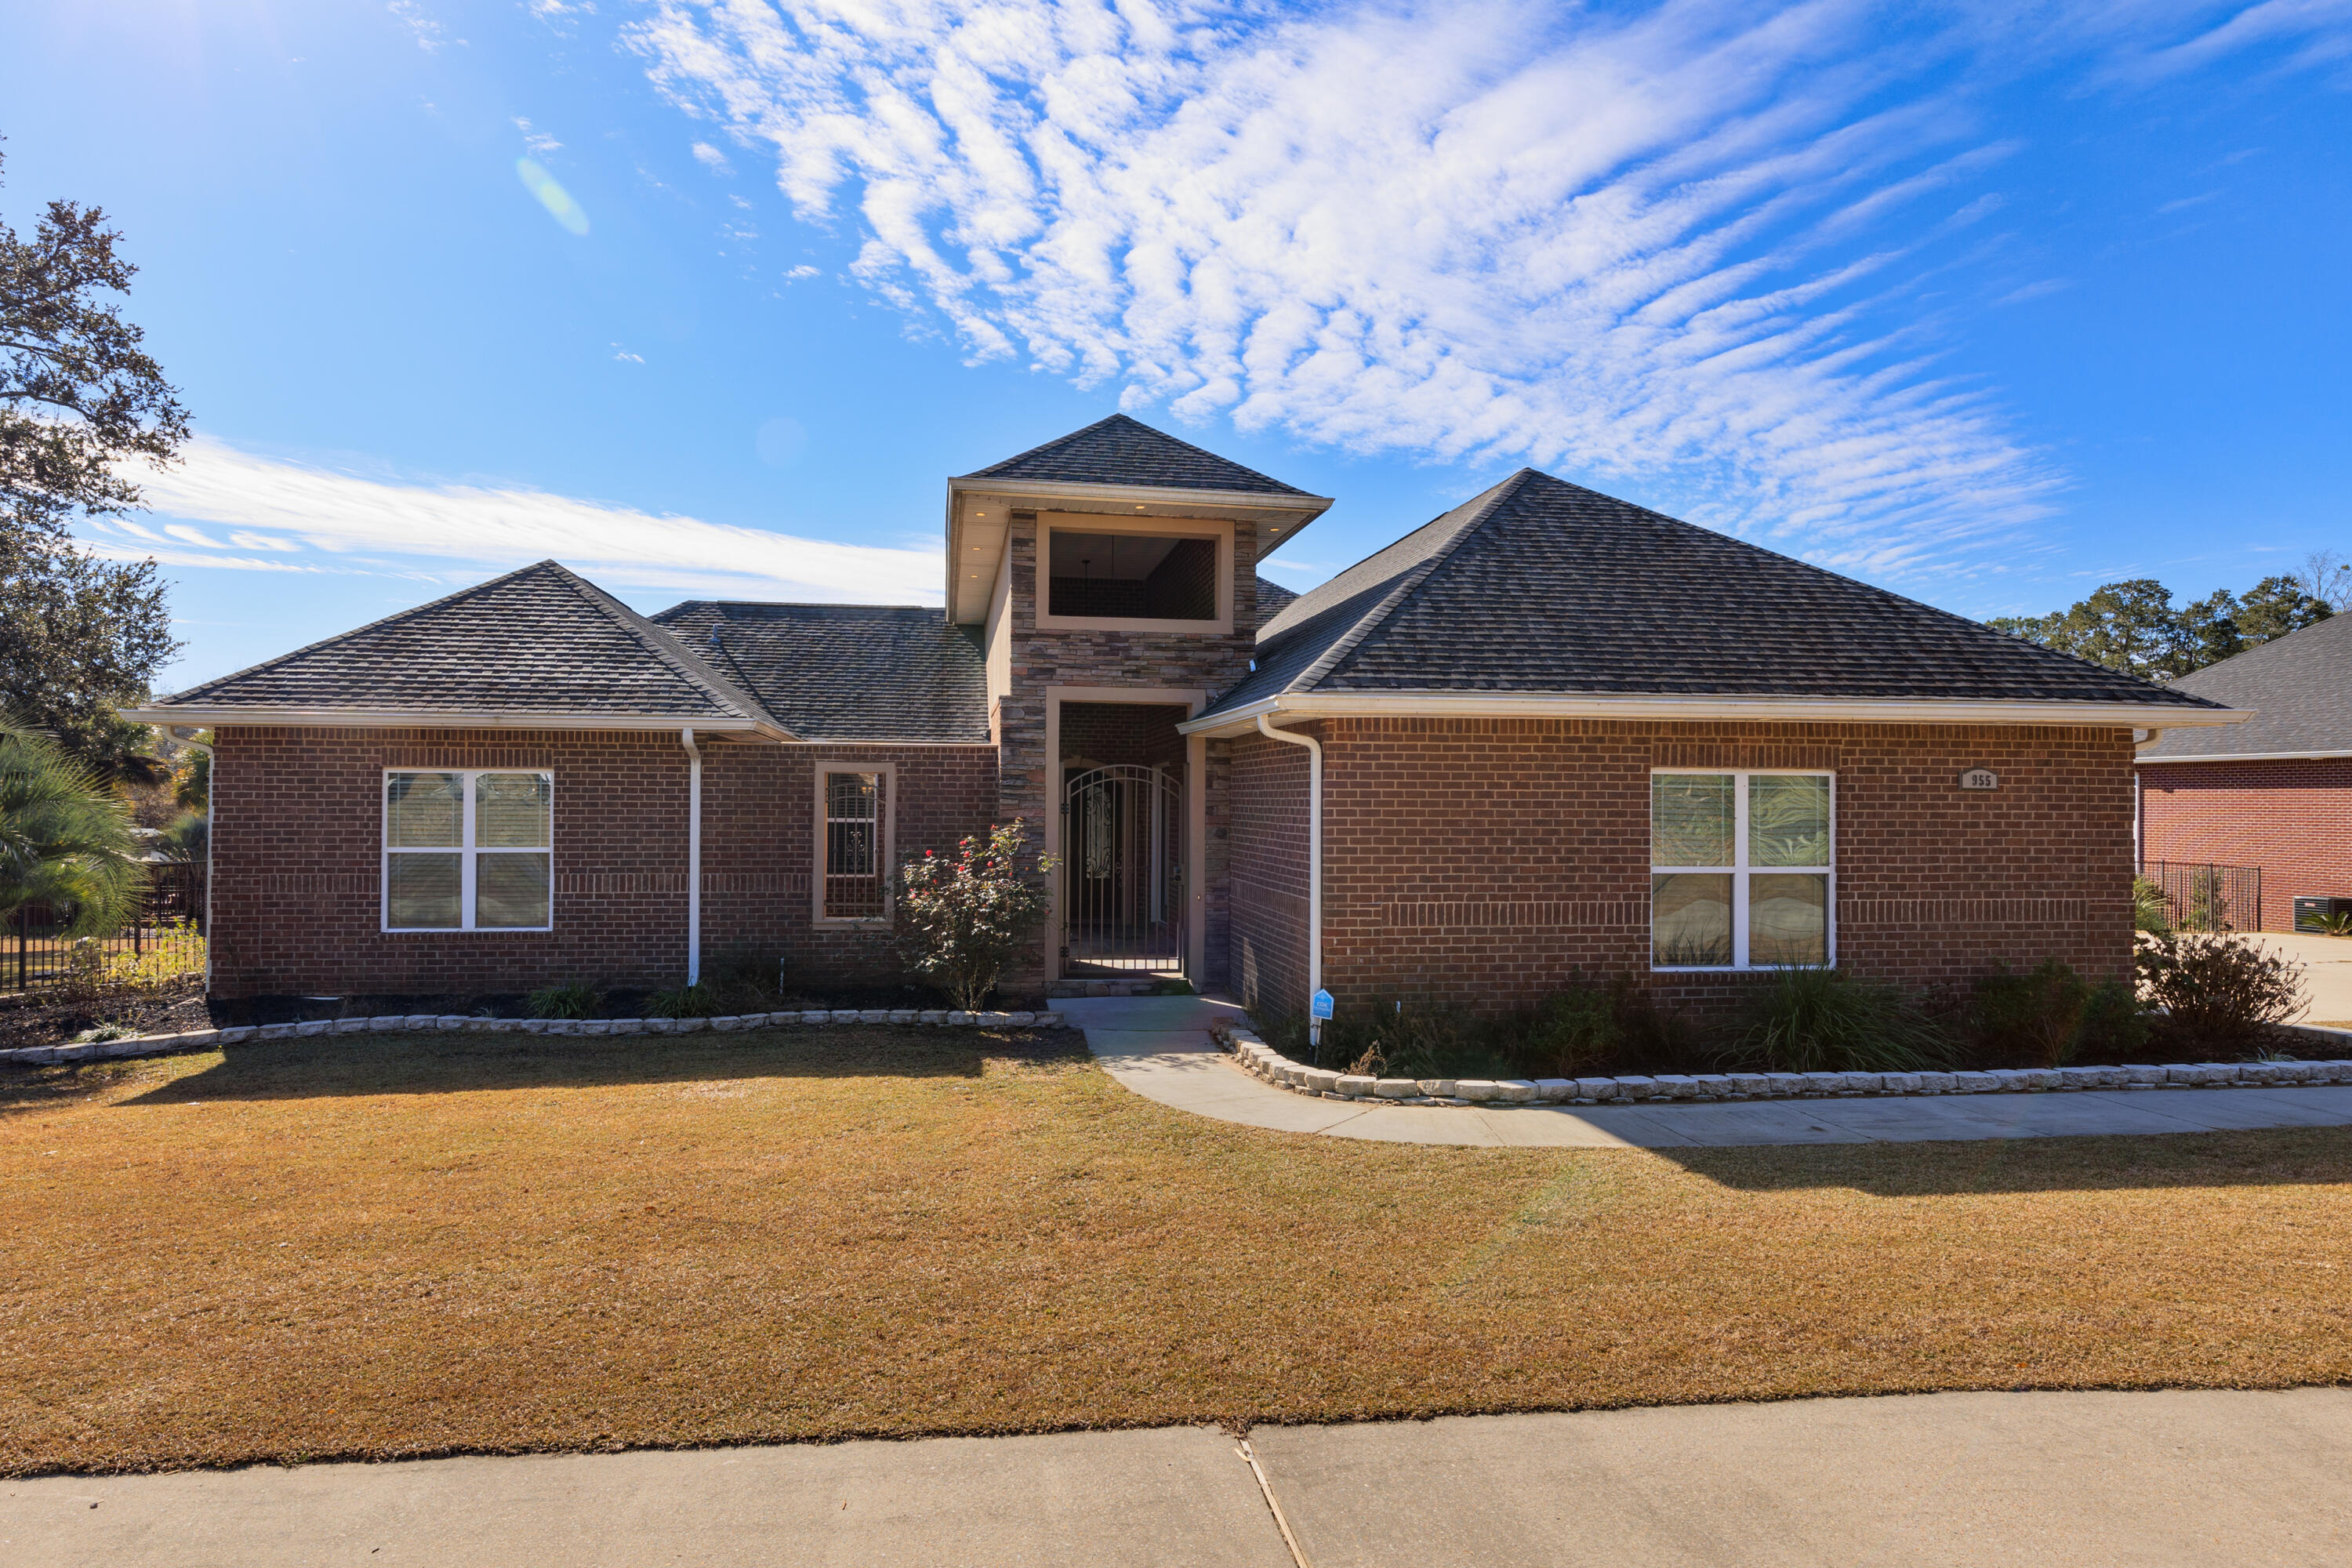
1491, 696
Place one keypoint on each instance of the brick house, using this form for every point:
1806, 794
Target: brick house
2274, 793
1547, 734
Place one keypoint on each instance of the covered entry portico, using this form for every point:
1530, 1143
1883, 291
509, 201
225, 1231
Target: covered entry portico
1125, 829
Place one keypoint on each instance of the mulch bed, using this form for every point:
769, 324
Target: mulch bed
40, 1018
376, 1247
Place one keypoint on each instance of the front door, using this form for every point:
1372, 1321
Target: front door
1122, 871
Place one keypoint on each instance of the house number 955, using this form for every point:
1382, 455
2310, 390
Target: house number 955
1979, 778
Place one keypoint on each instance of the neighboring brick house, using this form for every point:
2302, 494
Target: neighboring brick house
1549, 734
2274, 792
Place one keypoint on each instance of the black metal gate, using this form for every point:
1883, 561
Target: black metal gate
1122, 871
2203, 896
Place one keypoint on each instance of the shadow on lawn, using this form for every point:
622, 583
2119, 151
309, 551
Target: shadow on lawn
338, 1065
2265, 1157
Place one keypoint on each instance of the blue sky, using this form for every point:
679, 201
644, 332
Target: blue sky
1988, 304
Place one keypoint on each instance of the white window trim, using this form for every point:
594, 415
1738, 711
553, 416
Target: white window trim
886, 869
1049, 523
1740, 872
468, 853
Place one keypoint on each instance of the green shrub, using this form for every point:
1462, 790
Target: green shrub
2052, 1015
573, 1001
1573, 1032
2216, 990
2115, 1024
746, 980
1824, 1020
699, 1000
2151, 910
1585, 1027
961, 919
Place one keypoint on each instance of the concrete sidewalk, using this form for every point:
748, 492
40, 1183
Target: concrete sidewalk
1160, 1048
2211, 1478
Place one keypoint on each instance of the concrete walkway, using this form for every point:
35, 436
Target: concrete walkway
2210, 1478
1160, 1048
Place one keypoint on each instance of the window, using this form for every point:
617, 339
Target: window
1740, 870
467, 850
1131, 577
1142, 575
852, 834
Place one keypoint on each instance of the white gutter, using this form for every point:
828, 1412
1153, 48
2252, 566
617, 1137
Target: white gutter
1801, 710
1314, 854
693, 858
2249, 757
211, 780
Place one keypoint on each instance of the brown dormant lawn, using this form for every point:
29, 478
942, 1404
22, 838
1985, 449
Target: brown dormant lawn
388, 1245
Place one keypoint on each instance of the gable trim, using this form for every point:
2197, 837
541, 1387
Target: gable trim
1796, 710
450, 719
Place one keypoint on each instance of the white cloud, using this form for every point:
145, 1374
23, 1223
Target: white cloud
2042, 289
1493, 231
345, 522
419, 23
711, 158
540, 142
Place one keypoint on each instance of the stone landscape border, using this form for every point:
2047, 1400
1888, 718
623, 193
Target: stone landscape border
1326, 1083
445, 1023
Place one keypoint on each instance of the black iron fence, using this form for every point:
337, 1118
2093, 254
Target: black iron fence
167, 939
2199, 895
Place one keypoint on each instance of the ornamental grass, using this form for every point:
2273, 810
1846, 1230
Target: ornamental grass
382, 1246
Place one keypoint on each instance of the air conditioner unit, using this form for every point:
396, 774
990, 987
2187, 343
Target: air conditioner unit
2312, 911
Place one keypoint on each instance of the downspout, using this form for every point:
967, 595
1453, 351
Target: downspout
1314, 851
212, 778
693, 858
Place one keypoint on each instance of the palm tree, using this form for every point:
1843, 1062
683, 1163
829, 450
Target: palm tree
64, 840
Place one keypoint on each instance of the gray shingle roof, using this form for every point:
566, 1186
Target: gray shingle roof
1539, 586
539, 640
867, 673
2300, 687
1123, 451
1273, 598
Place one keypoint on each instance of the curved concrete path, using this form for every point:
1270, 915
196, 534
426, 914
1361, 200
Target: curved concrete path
1160, 1048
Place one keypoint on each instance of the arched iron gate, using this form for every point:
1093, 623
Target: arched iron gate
1122, 871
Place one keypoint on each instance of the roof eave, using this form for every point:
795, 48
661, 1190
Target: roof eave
2247, 757
1791, 709
450, 719
1045, 495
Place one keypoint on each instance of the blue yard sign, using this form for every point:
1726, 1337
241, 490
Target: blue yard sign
1319, 1007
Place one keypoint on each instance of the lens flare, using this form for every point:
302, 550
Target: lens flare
552, 197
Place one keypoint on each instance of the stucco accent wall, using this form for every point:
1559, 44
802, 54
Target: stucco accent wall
2294, 819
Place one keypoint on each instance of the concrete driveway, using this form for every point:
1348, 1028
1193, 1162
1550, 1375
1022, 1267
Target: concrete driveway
2326, 974
2209, 1477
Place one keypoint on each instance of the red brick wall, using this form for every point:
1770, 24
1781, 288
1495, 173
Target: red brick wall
2294, 819
297, 818
1486, 861
1267, 865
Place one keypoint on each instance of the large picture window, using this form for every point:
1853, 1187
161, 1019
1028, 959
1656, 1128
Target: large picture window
853, 842
1741, 870
468, 849
1115, 574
